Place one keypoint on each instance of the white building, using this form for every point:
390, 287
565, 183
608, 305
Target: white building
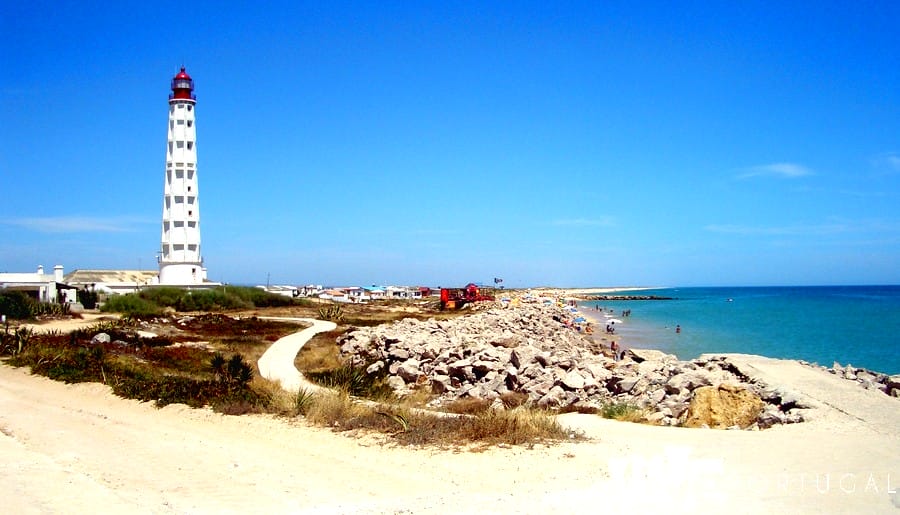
111, 281
42, 287
180, 261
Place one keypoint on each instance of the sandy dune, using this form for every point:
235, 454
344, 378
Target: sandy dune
79, 449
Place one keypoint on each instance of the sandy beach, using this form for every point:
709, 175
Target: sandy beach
79, 449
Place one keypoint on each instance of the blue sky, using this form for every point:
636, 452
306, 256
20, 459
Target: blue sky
547, 143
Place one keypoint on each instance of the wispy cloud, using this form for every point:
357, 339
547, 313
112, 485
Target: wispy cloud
835, 226
778, 170
79, 224
603, 221
887, 163
783, 230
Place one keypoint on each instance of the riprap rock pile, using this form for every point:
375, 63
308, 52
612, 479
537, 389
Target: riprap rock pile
532, 349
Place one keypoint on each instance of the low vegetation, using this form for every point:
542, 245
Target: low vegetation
209, 360
411, 426
152, 301
18, 305
623, 411
164, 369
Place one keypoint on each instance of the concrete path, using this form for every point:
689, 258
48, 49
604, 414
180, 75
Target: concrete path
277, 363
829, 398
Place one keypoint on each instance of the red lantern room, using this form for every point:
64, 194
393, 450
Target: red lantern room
182, 87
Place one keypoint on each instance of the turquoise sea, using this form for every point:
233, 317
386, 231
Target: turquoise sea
859, 325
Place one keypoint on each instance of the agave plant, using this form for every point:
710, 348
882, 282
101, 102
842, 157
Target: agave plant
239, 371
332, 313
398, 418
303, 400
217, 363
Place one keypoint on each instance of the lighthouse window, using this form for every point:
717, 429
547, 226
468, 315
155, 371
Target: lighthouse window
190, 213
180, 106
180, 122
189, 189
190, 123
190, 145
190, 108
179, 144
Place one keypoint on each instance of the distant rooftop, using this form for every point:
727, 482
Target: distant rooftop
111, 276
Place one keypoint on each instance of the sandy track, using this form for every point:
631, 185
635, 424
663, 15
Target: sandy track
277, 363
79, 449
71, 324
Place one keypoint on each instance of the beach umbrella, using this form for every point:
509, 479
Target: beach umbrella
580, 319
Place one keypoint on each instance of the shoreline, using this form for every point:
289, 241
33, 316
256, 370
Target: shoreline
538, 348
785, 323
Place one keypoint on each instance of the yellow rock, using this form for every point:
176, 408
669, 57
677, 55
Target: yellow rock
723, 406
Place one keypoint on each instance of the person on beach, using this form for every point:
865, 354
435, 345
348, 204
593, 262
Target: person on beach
677, 329
615, 349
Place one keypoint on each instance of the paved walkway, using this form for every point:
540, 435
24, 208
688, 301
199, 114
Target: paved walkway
277, 363
829, 397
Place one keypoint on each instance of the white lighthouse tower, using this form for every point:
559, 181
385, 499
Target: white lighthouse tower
180, 262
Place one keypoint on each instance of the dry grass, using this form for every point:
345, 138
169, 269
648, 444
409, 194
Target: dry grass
468, 406
408, 426
514, 399
320, 353
279, 401
419, 398
520, 426
339, 411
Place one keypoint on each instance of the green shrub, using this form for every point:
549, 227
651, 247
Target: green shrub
257, 297
163, 296
17, 305
88, 299
130, 304
221, 298
168, 389
622, 411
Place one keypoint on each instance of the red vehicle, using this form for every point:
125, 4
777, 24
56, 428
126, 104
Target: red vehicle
455, 298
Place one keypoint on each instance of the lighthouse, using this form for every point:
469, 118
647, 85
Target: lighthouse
180, 261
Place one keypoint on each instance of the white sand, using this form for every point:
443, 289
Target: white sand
79, 449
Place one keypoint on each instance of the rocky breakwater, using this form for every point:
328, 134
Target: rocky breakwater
533, 350
868, 379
